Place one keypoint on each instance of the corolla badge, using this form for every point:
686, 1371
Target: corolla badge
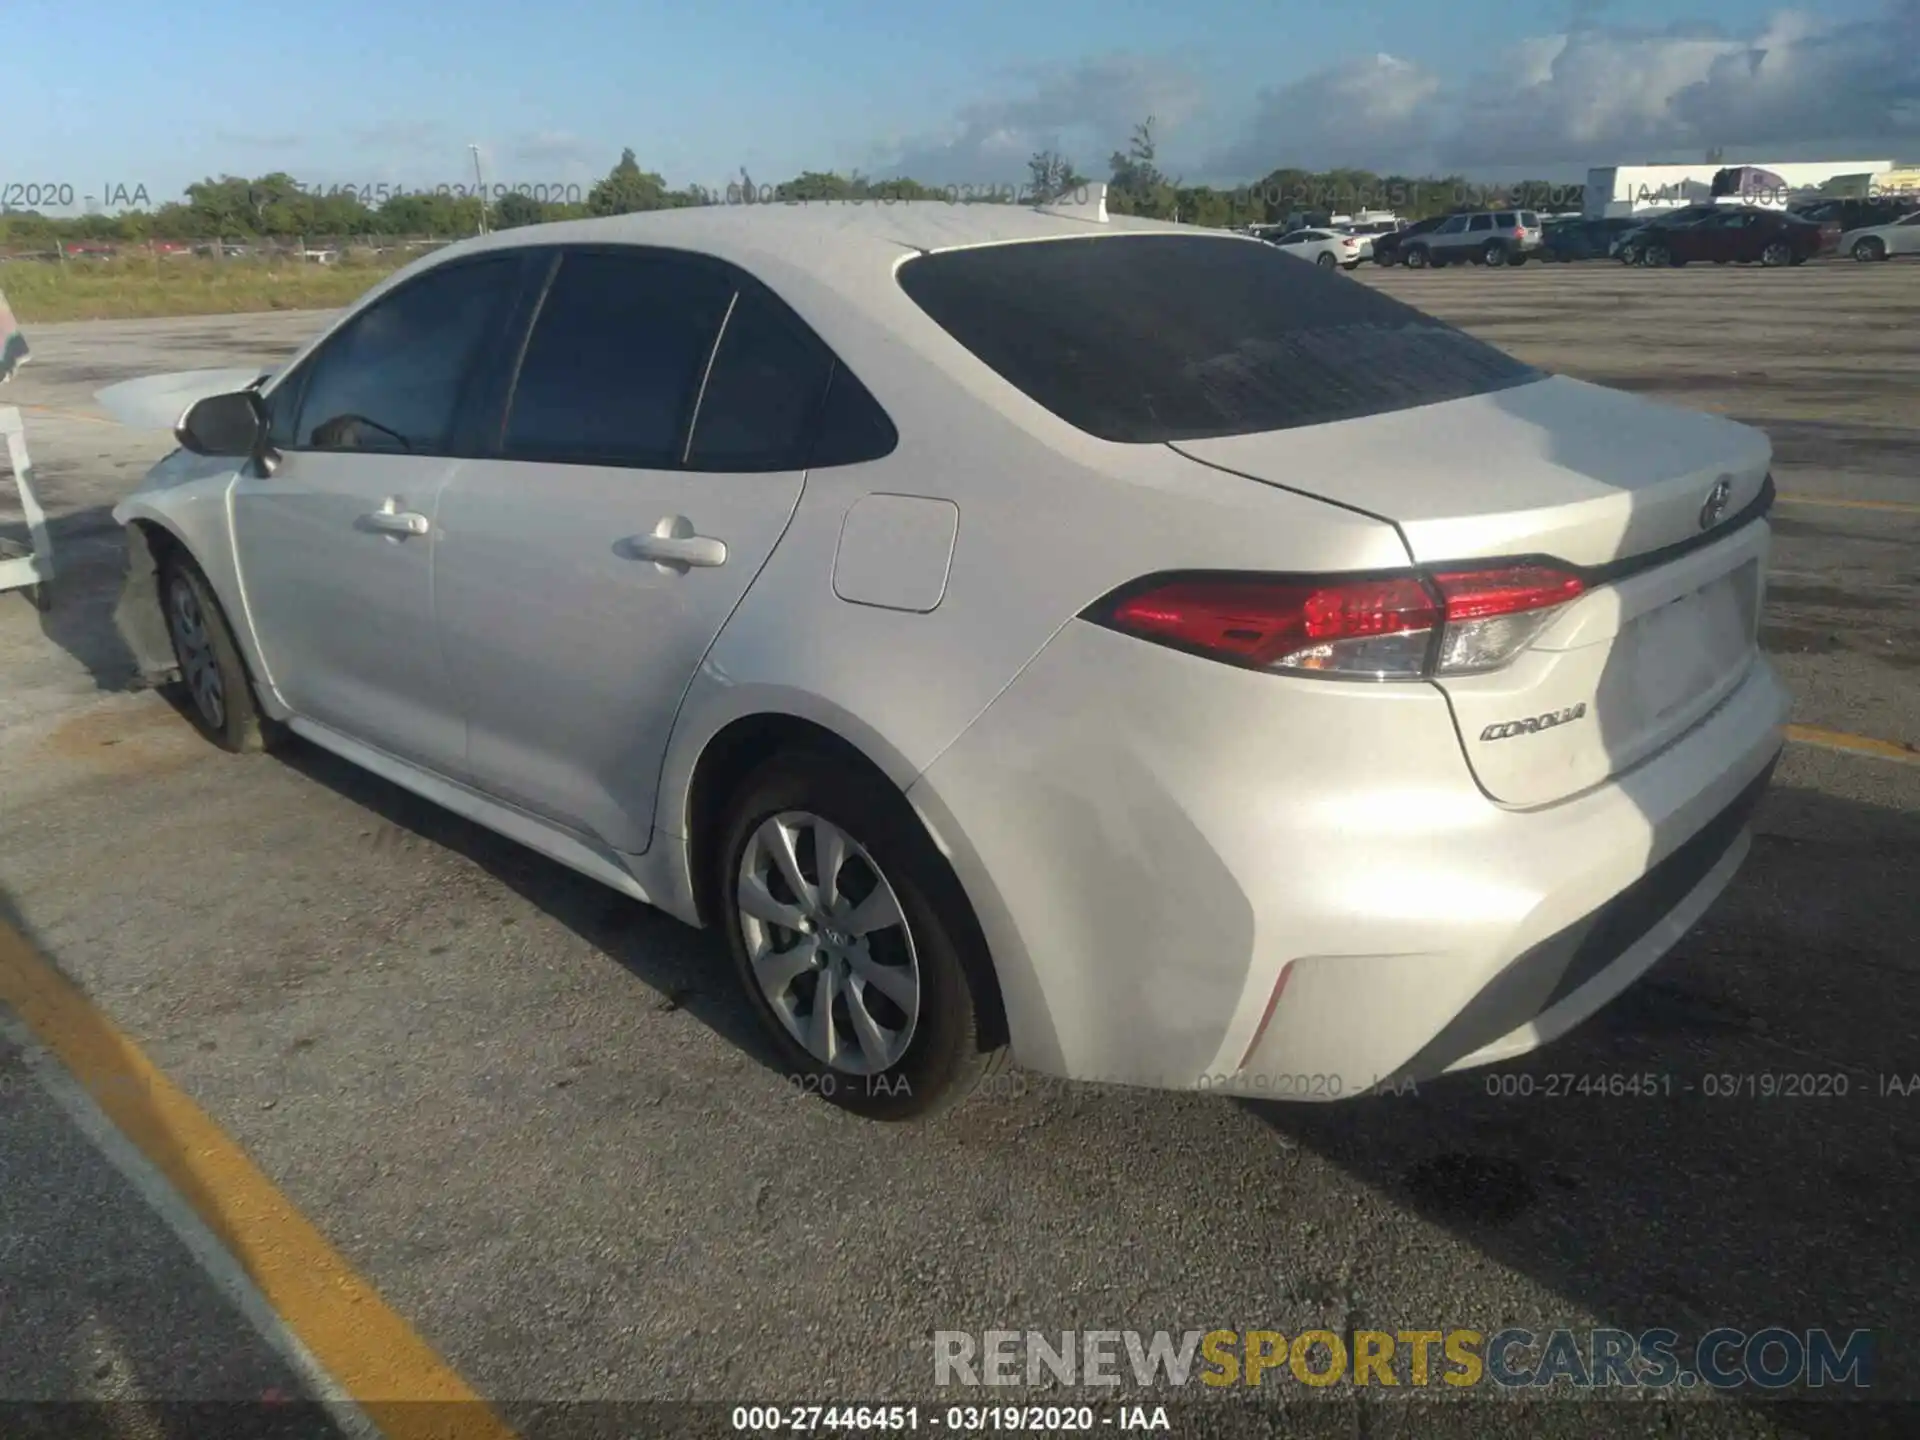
1534, 724
1718, 499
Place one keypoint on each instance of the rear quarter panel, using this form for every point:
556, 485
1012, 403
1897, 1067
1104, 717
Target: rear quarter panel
1050, 519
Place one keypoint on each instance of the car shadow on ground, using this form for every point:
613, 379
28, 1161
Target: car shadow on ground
1764, 1174
89, 553
688, 969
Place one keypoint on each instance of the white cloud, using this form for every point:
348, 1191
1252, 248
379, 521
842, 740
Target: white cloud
1597, 93
1360, 113
1085, 111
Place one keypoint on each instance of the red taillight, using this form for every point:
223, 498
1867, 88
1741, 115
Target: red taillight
1376, 628
1483, 594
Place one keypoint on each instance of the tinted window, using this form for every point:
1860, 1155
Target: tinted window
391, 380
1454, 225
1913, 219
1481, 222
853, 427
283, 409
1505, 220
1529, 219
763, 394
615, 360
1170, 337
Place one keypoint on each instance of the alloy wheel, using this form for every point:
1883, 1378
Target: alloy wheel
828, 943
193, 647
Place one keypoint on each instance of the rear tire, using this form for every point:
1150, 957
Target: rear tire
1778, 253
920, 1050
1493, 254
219, 693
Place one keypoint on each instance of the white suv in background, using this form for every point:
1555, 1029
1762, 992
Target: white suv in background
1485, 237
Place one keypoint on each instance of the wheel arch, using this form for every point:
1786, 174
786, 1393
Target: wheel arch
137, 614
735, 749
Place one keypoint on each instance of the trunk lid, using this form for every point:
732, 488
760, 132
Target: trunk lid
1626, 492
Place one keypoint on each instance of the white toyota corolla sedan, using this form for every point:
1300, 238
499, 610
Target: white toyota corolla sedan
1104, 643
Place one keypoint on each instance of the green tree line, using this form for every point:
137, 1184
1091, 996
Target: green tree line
280, 207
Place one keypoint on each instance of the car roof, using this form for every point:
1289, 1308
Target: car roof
842, 244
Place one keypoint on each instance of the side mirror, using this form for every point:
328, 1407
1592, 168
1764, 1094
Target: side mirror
234, 424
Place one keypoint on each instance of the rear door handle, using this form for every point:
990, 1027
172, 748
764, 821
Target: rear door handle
673, 545
390, 519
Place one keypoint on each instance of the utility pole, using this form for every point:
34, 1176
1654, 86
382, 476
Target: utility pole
480, 184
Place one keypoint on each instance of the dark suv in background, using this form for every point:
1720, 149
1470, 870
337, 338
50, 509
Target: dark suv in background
1857, 213
1387, 248
1578, 239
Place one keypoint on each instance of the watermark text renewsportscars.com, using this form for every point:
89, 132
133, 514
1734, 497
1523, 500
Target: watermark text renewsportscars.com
1771, 1359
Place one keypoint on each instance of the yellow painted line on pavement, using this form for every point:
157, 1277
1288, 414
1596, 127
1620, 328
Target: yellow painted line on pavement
376, 1358
1825, 739
67, 414
1897, 507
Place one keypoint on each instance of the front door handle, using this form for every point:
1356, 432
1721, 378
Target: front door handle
674, 546
390, 519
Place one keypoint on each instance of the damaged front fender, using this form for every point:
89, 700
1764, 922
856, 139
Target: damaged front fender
137, 615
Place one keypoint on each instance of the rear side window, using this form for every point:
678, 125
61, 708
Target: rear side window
1481, 222
1155, 338
1506, 220
615, 360
762, 399
1529, 219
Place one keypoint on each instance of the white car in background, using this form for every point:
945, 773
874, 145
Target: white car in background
1326, 247
1883, 242
1096, 641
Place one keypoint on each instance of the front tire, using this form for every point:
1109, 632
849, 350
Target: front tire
1416, 258
1325, 260
1872, 247
832, 895
1778, 253
219, 692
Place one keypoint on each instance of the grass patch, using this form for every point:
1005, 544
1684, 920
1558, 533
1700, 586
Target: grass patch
134, 287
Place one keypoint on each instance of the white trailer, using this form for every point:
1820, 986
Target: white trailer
1621, 190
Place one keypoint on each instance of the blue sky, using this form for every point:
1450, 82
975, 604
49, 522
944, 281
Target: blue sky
134, 93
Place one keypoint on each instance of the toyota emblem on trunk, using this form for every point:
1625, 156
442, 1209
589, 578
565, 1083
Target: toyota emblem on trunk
1716, 506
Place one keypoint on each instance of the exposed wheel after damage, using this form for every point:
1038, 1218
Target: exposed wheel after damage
219, 693
852, 940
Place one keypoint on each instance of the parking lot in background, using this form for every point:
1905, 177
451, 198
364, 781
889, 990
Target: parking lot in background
532, 1120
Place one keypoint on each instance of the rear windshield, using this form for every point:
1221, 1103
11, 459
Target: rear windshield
1154, 338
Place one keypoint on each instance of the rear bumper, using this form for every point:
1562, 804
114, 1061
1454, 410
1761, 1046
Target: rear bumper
1555, 984
1192, 876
